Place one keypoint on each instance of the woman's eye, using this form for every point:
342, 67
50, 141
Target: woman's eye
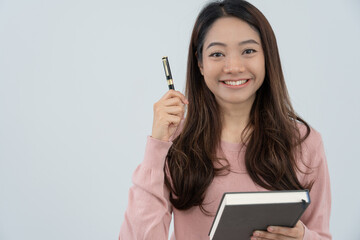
216, 54
249, 51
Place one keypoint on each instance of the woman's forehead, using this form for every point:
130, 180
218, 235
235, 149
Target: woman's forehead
228, 29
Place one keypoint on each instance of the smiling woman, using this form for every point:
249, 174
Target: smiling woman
233, 65
240, 134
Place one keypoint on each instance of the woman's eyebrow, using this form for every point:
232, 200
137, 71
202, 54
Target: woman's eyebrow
240, 43
216, 44
249, 41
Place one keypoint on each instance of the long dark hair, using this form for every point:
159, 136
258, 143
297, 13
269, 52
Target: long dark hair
273, 135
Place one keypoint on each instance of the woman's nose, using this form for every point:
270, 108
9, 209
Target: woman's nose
234, 64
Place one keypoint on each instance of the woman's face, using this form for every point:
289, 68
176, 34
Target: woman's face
233, 63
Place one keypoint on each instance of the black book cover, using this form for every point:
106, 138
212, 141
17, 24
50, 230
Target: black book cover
240, 221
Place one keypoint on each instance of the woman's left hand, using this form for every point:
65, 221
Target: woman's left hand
280, 233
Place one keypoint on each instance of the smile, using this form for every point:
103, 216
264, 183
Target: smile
236, 83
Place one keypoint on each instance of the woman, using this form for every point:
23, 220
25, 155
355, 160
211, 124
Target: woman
240, 133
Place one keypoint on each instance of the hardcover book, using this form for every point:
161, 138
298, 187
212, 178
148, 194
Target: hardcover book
241, 213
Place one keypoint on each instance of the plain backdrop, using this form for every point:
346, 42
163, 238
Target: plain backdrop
78, 80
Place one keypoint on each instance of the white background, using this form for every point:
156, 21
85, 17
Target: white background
78, 80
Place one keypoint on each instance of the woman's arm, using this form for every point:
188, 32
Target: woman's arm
317, 217
148, 214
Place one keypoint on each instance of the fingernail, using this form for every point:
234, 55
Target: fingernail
270, 229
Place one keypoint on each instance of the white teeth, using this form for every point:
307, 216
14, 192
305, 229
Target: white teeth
235, 83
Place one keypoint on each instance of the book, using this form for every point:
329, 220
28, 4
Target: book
241, 213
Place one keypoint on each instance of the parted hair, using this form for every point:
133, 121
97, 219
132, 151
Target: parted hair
272, 134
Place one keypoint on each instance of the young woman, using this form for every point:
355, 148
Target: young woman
240, 133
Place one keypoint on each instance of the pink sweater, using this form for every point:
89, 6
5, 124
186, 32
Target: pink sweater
149, 210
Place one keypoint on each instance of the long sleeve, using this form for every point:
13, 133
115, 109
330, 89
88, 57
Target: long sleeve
316, 218
148, 213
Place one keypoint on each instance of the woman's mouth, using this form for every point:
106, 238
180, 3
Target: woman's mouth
236, 83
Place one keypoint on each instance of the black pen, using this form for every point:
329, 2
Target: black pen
168, 75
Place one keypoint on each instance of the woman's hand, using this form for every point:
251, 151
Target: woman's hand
281, 233
168, 112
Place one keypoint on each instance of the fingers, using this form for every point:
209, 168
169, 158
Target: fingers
178, 111
295, 232
263, 235
168, 112
171, 103
173, 94
175, 101
168, 115
291, 232
174, 120
173, 106
280, 233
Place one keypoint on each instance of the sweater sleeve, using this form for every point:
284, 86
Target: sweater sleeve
148, 213
316, 218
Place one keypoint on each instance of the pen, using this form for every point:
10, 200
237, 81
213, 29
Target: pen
168, 75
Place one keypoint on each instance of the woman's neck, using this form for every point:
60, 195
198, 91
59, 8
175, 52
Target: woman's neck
234, 121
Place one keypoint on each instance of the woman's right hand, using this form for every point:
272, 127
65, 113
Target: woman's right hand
168, 112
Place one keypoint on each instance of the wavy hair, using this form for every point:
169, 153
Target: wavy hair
273, 137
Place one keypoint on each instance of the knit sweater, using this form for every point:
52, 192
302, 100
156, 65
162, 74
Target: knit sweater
149, 210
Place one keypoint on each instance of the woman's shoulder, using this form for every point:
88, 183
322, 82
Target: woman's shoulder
312, 146
314, 137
